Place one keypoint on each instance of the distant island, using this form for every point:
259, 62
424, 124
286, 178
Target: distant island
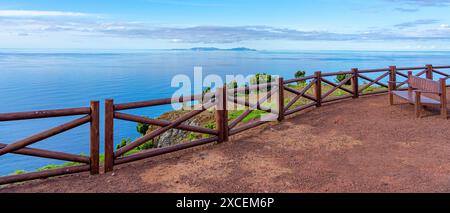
217, 49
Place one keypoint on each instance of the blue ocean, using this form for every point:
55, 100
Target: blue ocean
52, 79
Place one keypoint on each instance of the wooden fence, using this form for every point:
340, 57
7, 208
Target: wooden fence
112, 111
87, 163
317, 90
226, 127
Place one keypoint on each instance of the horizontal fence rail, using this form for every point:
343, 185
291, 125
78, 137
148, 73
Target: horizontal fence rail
275, 100
88, 163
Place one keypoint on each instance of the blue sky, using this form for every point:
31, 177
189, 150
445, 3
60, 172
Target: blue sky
259, 24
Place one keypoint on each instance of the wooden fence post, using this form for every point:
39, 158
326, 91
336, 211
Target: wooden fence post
226, 129
393, 73
355, 83
444, 111
219, 115
429, 71
95, 140
280, 99
393, 76
109, 135
392, 85
318, 88
222, 114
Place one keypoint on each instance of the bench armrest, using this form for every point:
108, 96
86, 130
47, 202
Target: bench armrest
423, 91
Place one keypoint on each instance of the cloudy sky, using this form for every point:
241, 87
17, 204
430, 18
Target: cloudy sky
259, 24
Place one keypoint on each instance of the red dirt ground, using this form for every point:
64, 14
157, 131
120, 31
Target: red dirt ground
361, 145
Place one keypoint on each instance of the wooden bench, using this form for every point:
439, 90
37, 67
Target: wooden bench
416, 88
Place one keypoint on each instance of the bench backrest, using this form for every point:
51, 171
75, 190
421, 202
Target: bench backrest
424, 84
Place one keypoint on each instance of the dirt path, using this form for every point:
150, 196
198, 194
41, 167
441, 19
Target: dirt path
361, 145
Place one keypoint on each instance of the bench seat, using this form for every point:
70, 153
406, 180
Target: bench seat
410, 97
416, 88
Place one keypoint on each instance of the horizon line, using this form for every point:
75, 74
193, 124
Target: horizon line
219, 49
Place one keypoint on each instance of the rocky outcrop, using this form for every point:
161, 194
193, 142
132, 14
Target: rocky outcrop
175, 136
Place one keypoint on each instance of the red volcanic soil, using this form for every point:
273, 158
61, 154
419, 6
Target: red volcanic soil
361, 145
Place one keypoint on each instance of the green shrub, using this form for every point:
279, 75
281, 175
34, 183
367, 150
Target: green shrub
192, 136
206, 90
232, 85
123, 143
211, 125
18, 172
261, 78
342, 77
300, 74
142, 128
147, 145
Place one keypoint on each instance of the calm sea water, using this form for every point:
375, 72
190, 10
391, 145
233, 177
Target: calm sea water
43, 79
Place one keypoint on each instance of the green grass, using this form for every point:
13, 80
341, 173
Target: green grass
55, 166
19, 172
256, 114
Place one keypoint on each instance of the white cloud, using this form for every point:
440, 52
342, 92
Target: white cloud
36, 13
48, 23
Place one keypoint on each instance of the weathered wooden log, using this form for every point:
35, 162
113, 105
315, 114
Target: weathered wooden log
44, 174
95, 138
109, 135
355, 82
441, 73
159, 102
373, 70
49, 154
429, 71
298, 109
221, 116
163, 123
441, 67
165, 150
250, 125
44, 114
280, 99
318, 88
299, 79
410, 68
328, 74
44, 135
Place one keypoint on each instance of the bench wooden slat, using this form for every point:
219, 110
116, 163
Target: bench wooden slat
410, 97
424, 84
